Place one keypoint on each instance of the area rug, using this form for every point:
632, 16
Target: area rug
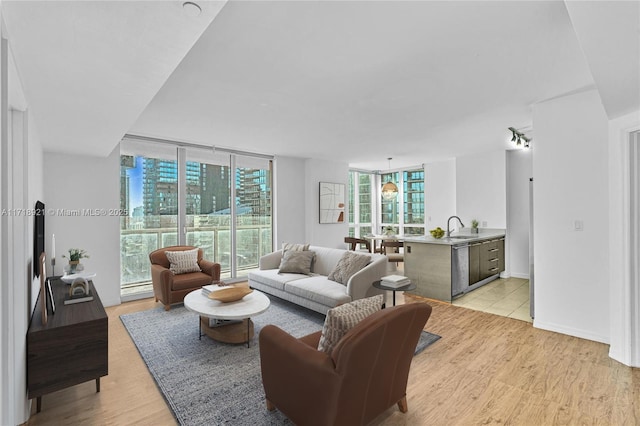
208, 382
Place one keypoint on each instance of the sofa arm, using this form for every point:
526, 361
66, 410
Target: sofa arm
361, 282
210, 268
271, 260
295, 374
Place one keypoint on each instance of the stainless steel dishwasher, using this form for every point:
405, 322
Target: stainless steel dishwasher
459, 270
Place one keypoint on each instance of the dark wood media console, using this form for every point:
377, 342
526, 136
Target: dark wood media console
71, 349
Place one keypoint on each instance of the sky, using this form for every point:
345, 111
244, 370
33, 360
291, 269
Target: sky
135, 184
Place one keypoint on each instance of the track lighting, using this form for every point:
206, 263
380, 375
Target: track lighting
519, 138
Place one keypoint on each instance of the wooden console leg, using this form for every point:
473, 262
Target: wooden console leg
98, 385
38, 404
167, 307
270, 406
402, 405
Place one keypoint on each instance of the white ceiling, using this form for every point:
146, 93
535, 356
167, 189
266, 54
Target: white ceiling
358, 81
89, 68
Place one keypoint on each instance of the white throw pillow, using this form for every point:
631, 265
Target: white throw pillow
183, 262
343, 318
349, 264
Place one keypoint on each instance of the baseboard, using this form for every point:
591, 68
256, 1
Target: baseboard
135, 296
519, 275
570, 331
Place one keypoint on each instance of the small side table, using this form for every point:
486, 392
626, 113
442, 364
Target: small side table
407, 287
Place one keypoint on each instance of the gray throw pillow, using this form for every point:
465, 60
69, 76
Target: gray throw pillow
343, 318
349, 264
296, 262
294, 247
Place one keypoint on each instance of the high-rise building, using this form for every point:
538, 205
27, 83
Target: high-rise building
207, 190
254, 190
159, 190
214, 181
414, 197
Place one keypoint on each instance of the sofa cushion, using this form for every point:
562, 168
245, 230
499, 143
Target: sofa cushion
343, 318
326, 259
183, 262
319, 289
193, 280
272, 278
296, 262
349, 264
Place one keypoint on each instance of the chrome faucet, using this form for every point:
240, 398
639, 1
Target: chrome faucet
448, 228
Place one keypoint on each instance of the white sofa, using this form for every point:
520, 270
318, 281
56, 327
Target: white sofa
316, 291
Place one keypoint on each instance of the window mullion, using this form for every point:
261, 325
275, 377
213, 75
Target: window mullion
181, 154
233, 222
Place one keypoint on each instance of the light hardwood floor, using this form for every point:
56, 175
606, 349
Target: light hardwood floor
486, 369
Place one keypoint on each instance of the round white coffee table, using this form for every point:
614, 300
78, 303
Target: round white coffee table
232, 319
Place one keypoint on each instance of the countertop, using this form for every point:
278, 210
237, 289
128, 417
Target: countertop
457, 238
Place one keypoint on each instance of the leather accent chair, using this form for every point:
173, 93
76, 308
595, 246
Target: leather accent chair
169, 288
364, 375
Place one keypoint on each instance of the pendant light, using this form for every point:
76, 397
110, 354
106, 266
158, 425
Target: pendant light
389, 189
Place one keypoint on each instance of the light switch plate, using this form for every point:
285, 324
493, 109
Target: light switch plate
577, 225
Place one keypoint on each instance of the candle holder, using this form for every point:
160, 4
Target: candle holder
53, 266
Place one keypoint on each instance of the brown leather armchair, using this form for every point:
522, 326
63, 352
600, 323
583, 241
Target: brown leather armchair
365, 374
169, 288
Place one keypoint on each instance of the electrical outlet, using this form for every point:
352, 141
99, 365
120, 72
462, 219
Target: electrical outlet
578, 225
484, 223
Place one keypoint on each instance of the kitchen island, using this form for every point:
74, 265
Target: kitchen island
449, 267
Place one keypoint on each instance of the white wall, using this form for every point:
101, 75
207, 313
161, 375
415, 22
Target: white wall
571, 183
316, 171
289, 202
481, 189
75, 182
440, 193
519, 170
624, 288
21, 184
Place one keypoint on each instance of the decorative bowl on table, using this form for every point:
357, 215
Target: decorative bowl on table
437, 233
229, 294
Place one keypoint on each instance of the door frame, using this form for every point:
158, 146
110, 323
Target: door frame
624, 239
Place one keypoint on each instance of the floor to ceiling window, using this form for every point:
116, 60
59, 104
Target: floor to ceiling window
216, 200
413, 202
360, 203
390, 209
370, 213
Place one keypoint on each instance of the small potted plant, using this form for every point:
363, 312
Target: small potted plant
388, 231
474, 226
75, 254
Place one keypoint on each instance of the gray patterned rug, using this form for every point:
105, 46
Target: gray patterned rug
211, 383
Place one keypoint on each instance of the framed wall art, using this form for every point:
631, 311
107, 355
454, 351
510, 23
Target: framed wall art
332, 199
